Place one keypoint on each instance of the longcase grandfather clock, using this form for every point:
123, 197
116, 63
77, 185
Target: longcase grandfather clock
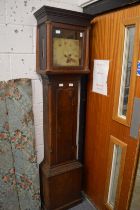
62, 59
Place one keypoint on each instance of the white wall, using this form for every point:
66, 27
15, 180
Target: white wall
18, 47
83, 3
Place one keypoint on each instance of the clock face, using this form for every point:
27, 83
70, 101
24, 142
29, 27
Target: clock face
66, 52
67, 47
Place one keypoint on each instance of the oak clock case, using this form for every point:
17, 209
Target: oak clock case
62, 60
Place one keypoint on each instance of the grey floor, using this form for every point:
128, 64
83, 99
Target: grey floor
85, 205
135, 204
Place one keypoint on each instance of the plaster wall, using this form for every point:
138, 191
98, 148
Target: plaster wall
18, 50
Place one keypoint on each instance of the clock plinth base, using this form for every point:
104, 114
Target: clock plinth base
61, 185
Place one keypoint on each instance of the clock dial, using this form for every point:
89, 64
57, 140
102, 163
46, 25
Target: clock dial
66, 52
67, 47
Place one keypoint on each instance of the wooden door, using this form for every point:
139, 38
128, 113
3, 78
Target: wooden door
110, 149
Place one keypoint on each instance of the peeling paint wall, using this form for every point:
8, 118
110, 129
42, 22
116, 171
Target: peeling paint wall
18, 47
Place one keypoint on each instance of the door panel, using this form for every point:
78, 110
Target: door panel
116, 161
126, 76
103, 122
66, 132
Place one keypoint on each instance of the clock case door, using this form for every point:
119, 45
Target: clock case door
60, 118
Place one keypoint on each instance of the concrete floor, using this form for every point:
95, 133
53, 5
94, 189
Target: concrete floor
135, 204
85, 205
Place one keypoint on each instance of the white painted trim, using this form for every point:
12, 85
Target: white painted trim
86, 3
